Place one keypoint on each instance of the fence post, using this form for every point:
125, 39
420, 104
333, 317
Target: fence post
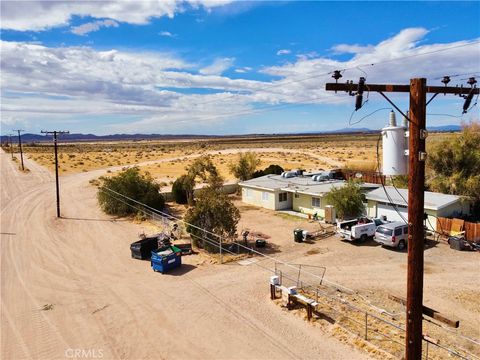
426, 355
366, 325
221, 256
272, 292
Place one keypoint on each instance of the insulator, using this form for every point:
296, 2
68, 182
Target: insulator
361, 86
471, 81
336, 75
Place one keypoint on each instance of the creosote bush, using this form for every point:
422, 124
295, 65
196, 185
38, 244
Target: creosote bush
132, 184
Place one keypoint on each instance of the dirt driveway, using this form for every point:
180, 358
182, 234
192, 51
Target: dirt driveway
69, 286
450, 281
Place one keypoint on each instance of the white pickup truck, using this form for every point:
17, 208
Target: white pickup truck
359, 229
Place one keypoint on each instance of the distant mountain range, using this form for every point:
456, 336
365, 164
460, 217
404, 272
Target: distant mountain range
27, 137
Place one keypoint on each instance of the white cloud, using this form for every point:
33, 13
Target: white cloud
44, 14
284, 52
93, 26
243, 69
351, 49
218, 66
166, 34
55, 83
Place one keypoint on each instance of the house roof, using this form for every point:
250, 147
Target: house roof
433, 200
298, 184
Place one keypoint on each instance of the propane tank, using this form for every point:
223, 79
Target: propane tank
393, 140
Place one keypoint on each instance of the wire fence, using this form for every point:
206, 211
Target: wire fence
332, 300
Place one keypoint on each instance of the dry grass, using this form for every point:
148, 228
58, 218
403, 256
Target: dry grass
306, 152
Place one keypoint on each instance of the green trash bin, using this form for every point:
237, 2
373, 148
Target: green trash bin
298, 235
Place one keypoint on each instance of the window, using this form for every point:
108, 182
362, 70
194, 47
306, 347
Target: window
384, 231
405, 230
282, 197
297, 196
265, 196
248, 193
398, 231
315, 202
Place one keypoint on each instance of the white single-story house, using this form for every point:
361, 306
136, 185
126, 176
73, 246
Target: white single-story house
436, 205
299, 193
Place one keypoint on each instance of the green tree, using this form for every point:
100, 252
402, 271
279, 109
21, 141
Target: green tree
204, 170
214, 212
245, 166
347, 200
454, 164
181, 188
132, 184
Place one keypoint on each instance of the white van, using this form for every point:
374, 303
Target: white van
393, 234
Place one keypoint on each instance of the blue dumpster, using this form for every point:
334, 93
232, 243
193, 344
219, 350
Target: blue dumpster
166, 258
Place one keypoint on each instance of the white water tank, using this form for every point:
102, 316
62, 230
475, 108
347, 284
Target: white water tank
395, 161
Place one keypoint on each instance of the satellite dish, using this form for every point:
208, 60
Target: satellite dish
358, 175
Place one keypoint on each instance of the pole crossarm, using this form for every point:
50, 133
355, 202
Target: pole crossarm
55, 132
351, 87
417, 90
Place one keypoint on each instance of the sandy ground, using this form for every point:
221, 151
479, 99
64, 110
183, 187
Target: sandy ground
103, 304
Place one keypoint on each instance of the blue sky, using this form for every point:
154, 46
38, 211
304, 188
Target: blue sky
221, 67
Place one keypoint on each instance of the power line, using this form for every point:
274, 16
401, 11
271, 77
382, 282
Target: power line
279, 83
154, 212
172, 217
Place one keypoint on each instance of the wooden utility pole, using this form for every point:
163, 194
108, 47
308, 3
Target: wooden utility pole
418, 90
11, 145
416, 191
55, 133
20, 146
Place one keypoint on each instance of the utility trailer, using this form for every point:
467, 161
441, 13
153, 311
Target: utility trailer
166, 258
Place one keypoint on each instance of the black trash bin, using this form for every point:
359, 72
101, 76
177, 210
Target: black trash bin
260, 243
456, 243
298, 235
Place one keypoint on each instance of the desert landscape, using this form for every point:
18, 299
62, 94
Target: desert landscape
166, 160
70, 283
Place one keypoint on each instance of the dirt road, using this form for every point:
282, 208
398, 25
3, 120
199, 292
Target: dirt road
69, 289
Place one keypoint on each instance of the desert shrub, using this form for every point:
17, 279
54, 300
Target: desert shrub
215, 213
347, 200
132, 184
180, 189
246, 165
272, 169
